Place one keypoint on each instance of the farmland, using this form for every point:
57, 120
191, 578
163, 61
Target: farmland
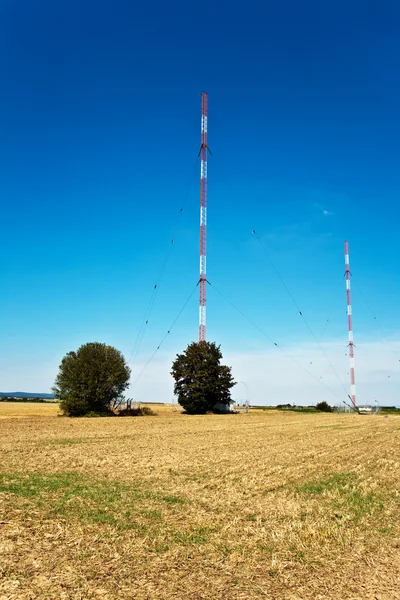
274, 505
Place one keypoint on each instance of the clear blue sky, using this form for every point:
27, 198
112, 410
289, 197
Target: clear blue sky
100, 130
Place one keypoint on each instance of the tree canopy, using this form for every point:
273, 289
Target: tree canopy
323, 407
92, 379
201, 382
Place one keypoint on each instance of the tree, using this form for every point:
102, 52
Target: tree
92, 379
201, 382
323, 407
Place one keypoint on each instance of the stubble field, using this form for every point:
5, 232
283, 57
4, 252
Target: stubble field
265, 505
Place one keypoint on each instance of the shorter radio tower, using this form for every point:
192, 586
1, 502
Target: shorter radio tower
350, 326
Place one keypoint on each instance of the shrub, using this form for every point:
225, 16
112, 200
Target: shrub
323, 407
140, 411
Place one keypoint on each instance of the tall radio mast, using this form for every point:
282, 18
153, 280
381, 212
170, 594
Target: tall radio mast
203, 216
350, 326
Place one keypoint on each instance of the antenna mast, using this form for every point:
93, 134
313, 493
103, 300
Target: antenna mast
350, 325
203, 216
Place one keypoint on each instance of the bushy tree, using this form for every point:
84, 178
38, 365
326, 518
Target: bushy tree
92, 379
323, 407
201, 382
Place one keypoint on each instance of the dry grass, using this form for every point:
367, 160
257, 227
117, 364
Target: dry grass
18, 410
266, 505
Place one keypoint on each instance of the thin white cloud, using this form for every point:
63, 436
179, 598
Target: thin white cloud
321, 208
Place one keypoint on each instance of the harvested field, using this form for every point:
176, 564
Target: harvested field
18, 410
265, 505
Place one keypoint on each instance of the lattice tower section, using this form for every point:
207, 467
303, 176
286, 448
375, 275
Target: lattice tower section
350, 326
203, 217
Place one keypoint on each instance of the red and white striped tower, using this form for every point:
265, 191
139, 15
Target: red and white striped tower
350, 326
203, 216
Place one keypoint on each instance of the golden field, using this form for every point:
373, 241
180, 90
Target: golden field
261, 505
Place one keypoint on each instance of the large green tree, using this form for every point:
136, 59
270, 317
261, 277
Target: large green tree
92, 379
201, 382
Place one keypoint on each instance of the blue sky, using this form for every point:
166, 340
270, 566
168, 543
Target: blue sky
100, 130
